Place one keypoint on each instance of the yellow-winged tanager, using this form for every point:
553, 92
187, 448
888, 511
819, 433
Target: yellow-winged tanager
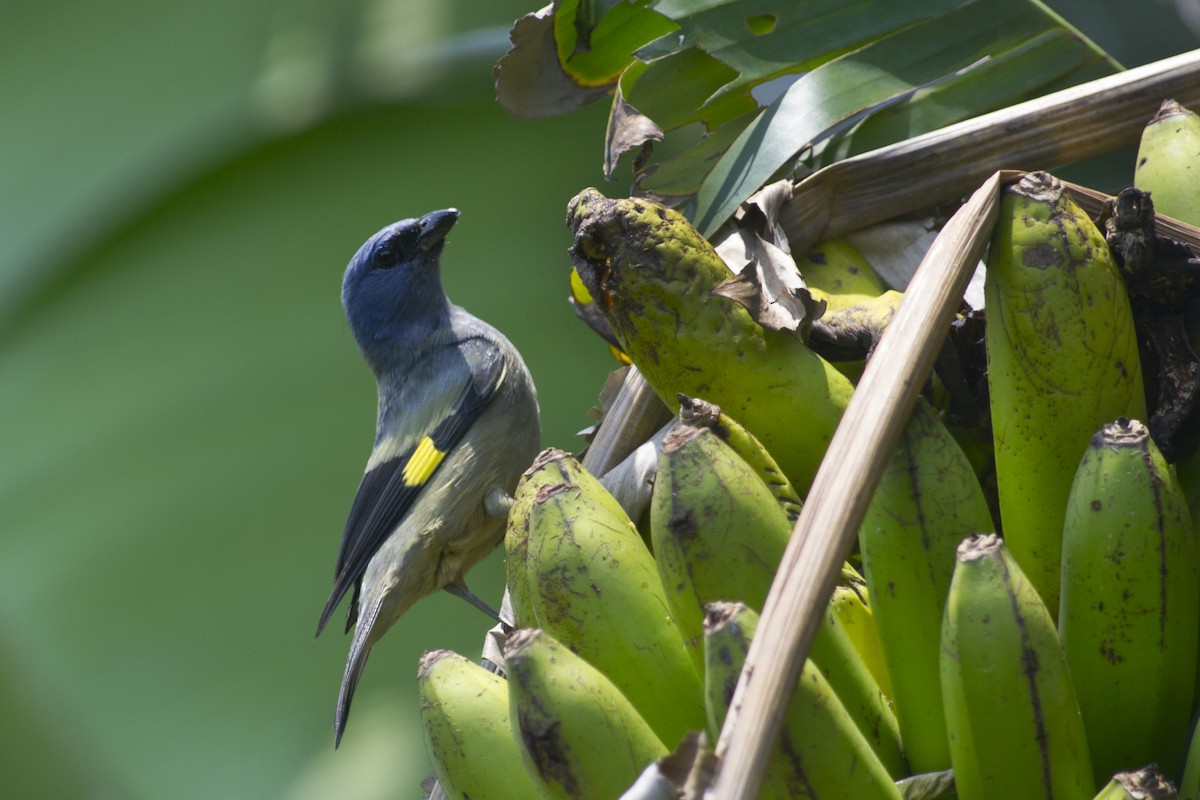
457, 424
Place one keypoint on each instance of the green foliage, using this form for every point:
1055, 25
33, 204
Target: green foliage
771, 81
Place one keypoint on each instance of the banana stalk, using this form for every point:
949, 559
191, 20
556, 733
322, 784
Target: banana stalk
1130, 611
1062, 361
821, 752
1011, 714
928, 502
580, 737
1168, 162
652, 274
464, 716
719, 534
578, 568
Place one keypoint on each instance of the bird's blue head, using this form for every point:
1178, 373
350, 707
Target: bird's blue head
392, 289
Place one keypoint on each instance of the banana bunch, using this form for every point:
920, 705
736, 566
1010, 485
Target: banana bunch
609, 665
1059, 661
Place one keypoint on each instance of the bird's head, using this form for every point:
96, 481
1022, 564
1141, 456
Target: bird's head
392, 289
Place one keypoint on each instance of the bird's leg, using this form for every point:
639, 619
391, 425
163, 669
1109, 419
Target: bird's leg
497, 502
459, 589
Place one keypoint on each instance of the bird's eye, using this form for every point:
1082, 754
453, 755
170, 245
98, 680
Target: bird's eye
384, 258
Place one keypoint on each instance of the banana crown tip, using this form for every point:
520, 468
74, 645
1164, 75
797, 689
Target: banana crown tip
519, 640
978, 546
430, 658
1170, 108
694, 411
1039, 186
681, 434
720, 613
547, 456
583, 205
1122, 432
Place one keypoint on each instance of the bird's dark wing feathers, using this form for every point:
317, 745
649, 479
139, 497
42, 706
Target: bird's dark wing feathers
389, 489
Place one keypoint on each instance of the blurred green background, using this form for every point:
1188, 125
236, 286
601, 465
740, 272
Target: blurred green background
183, 414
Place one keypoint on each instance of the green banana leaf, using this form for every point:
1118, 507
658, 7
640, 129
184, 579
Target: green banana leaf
771, 81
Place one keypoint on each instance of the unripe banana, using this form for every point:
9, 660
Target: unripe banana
652, 275
927, 503
1189, 784
1130, 610
821, 752
1144, 784
852, 607
580, 737
858, 304
578, 568
464, 716
1062, 361
837, 273
1168, 162
1011, 714
719, 534
701, 413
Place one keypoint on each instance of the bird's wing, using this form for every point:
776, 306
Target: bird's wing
390, 487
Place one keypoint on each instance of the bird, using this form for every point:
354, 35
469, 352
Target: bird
457, 423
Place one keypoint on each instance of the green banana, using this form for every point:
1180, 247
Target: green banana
858, 304
580, 737
1144, 784
701, 413
1062, 361
1130, 609
464, 716
928, 501
719, 534
1189, 784
821, 753
852, 607
652, 275
578, 568
837, 273
1168, 162
1011, 714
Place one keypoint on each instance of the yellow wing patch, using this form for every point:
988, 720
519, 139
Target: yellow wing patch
422, 463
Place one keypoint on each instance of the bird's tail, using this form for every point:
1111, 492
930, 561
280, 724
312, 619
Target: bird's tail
360, 648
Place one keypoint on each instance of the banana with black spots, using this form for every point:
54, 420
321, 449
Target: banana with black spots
464, 717
652, 275
927, 503
1013, 721
578, 568
1129, 615
719, 534
1062, 361
580, 738
821, 752
1168, 162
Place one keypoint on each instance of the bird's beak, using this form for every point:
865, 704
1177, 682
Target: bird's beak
434, 227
